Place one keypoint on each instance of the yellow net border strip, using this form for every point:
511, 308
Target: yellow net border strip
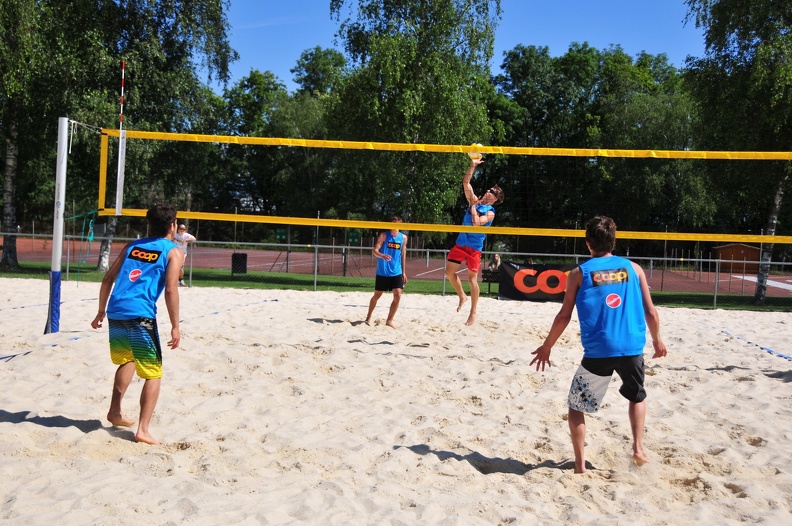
431, 227
451, 148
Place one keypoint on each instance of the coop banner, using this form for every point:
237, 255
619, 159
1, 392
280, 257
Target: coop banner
533, 282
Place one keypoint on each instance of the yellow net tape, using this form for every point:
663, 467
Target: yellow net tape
431, 227
451, 148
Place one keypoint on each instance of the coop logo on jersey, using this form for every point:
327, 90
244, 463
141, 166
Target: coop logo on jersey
613, 301
145, 256
609, 277
135, 274
394, 245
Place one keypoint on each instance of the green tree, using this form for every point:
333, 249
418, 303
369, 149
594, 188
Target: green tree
599, 99
538, 84
319, 71
743, 90
641, 104
49, 69
419, 70
251, 104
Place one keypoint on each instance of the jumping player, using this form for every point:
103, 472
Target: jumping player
468, 247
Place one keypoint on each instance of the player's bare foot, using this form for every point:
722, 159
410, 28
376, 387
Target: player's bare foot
391, 325
471, 320
146, 438
462, 301
640, 459
368, 321
120, 420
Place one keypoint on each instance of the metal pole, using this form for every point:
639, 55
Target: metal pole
316, 252
121, 148
190, 250
53, 314
316, 265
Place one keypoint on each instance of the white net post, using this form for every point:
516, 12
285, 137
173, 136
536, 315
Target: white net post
53, 313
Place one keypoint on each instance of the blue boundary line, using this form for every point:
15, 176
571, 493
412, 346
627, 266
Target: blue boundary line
766, 349
10, 357
45, 304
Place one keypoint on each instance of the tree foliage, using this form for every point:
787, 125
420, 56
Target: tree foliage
49, 69
743, 90
420, 67
590, 98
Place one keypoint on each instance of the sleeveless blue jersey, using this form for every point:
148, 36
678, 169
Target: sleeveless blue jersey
610, 309
141, 280
470, 239
392, 247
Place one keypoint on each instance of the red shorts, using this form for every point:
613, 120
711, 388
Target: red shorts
460, 254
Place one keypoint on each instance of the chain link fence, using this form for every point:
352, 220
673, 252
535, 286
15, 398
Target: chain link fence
701, 281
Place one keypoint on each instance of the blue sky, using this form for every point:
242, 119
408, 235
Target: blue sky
270, 35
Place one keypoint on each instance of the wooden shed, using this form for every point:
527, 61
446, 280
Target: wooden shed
738, 258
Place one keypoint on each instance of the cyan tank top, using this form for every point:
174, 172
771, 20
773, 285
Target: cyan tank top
610, 309
470, 239
392, 247
141, 280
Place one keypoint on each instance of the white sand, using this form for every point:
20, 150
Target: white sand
282, 407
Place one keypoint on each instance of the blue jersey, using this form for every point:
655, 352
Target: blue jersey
610, 309
393, 247
470, 239
140, 280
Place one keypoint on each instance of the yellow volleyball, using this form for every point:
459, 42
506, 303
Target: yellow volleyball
475, 155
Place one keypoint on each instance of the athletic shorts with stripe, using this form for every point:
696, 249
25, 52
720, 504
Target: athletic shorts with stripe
137, 341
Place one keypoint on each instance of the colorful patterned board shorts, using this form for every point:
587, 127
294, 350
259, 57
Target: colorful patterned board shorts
137, 341
591, 380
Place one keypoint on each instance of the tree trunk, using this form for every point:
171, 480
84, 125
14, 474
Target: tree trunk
103, 265
9, 261
767, 250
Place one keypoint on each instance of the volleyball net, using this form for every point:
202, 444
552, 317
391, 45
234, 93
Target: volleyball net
550, 194
549, 180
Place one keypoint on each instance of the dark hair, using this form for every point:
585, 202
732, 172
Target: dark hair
499, 195
601, 234
396, 219
160, 218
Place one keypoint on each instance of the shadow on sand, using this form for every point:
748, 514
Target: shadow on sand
487, 466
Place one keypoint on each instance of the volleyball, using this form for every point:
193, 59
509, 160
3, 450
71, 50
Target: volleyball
475, 155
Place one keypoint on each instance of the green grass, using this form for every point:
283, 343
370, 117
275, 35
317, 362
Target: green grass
278, 280
274, 280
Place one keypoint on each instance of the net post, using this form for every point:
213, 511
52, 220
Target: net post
121, 148
103, 151
53, 312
